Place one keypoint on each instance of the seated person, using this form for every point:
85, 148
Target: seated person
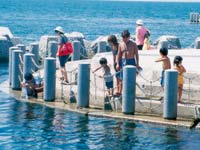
32, 89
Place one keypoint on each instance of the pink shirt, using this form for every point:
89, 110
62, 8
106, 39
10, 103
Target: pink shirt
140, 38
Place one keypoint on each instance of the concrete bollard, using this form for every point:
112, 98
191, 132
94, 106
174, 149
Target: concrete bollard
34, 49
128, 94
16, 70
10, 62
52, 49
77, 48
83, 85
28, 65
101, 47
49, 79
170, 94
22, 47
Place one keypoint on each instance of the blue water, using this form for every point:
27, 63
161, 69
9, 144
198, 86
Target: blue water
33, 18
32, 126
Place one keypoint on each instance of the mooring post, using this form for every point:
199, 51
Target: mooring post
10, 63
101, 47
170, 94
129, 88
28, 64
16, 70
83, 85
34, 49
49, 79
77, 48
52, 49
22, 47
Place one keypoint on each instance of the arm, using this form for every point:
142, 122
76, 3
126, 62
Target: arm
96, 69
182, 69
118, 57
160, 59
136, 56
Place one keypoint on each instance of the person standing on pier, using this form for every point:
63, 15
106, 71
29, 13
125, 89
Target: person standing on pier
112, 40
127, 54
181, 69
165, 63
140, 31
61, 53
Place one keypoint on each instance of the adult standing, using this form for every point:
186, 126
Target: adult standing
140, 34
127, 53
63, 57
113, 42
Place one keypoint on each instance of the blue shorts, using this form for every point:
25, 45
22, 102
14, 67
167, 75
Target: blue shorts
63, 60
117, 75
125, 62
109, 85
162, 78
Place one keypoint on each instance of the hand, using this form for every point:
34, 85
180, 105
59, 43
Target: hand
117, 67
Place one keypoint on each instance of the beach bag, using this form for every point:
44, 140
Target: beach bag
65, 49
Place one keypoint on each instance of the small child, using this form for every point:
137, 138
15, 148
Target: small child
181, 69
165, 63
32, 88
106, 75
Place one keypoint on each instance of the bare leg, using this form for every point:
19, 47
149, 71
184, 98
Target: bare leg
64, 73
180, 88
120, 86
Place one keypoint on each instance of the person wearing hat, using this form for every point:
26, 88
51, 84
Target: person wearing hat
140, 34
63, 57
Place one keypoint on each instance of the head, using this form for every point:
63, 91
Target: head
28, 76
103, 61
139, 22
178, 60
59, 30
163, 51
112, 40
125, 36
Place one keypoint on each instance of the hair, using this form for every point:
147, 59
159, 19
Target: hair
113, 39
164, 51
56, 31
103, 61
28, 76
177, 60
125, 33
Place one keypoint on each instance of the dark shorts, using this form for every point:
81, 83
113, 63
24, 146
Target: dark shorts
63, 60
162, 78
125, 62
139, 47
109, 85
117, 75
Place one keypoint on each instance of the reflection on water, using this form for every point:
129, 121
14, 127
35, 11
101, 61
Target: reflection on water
32, 126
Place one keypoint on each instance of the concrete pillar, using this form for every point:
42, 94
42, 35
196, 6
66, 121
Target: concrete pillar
15, 69
101, 47
28, 65
129, 88
34, 49
22, 47
52, 48
83, 85
49, 79
77, 48
170, 94
10, 62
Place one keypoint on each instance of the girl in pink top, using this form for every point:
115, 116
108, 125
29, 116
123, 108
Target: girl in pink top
140, 34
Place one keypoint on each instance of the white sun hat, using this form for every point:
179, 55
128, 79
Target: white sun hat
59, 29
139, 22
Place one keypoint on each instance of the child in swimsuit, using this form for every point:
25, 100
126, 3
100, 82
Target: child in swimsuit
181, 69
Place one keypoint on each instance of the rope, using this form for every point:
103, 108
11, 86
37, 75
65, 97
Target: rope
35, 64
20, 70
19, 78
21, 60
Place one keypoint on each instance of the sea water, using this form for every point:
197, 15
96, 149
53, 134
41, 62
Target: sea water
31, 19
32, 126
